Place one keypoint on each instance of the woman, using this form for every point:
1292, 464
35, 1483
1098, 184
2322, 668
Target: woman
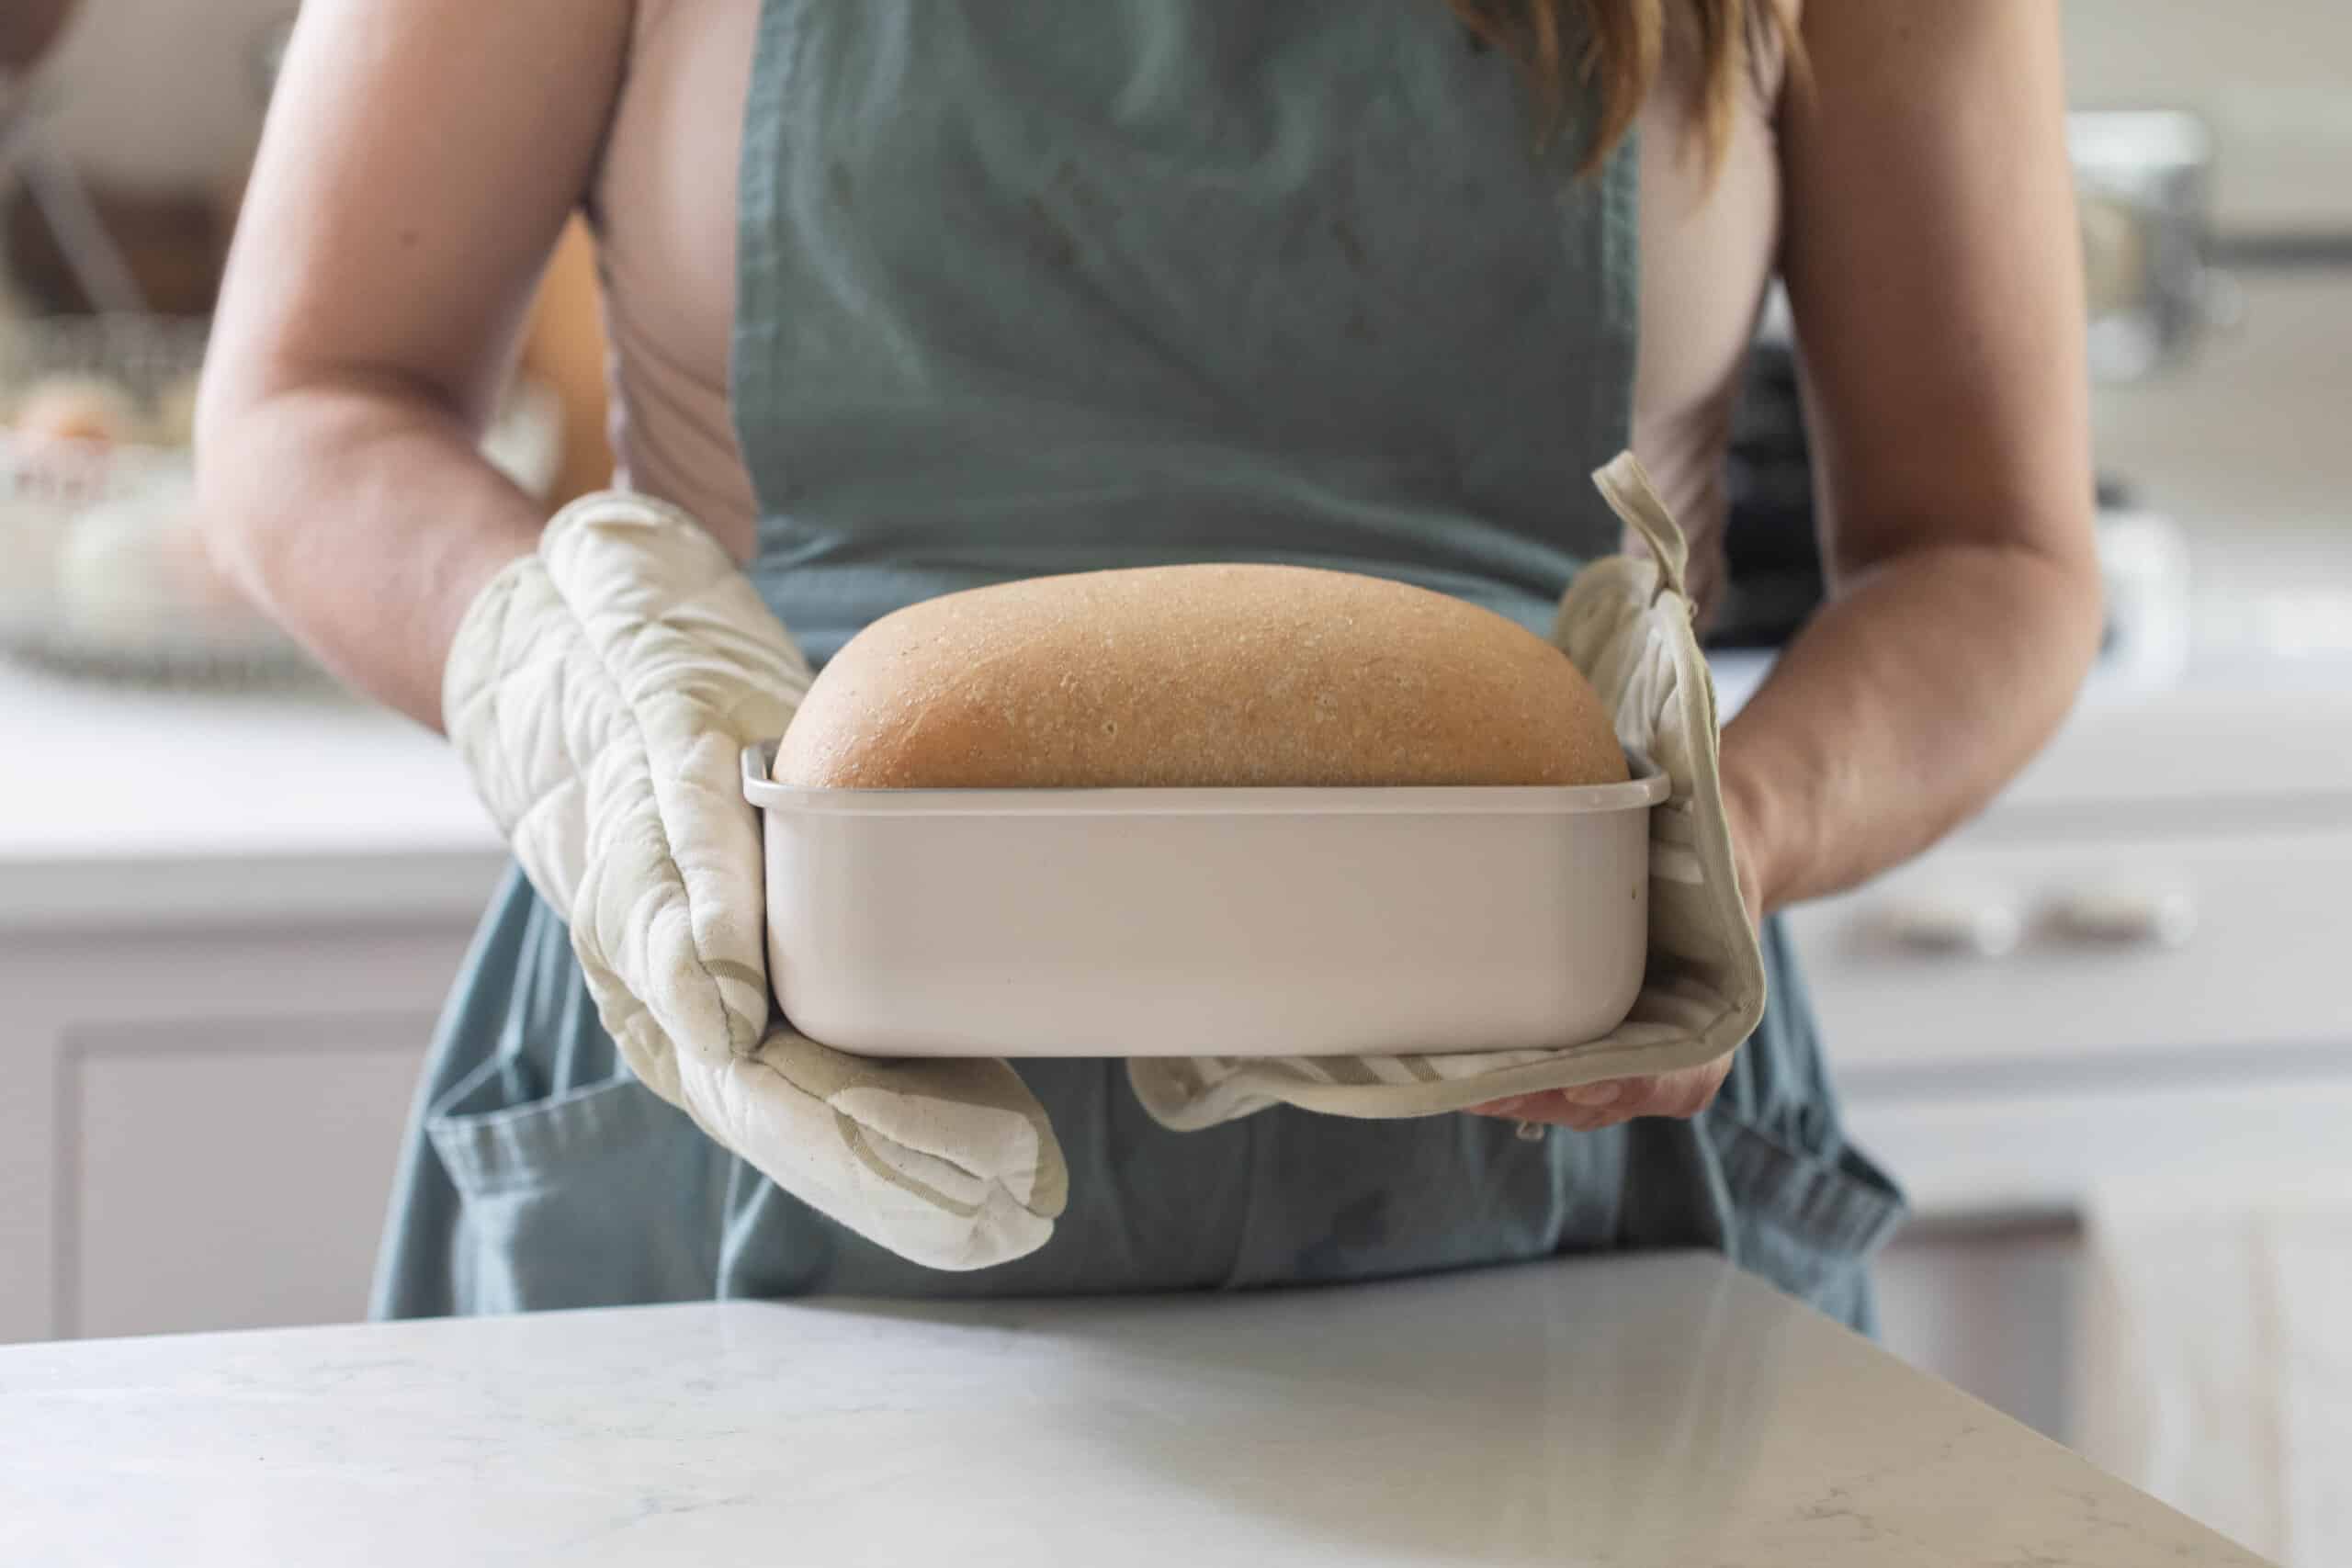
907, 296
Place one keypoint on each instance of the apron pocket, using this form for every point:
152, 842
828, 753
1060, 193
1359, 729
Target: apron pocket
597, 1196
1807, 1220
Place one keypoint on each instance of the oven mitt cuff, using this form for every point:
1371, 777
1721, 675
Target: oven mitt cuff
600, 692
1626, 622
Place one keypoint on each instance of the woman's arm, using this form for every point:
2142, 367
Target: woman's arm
419, 163
1931, 264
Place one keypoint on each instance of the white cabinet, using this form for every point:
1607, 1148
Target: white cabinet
227, 924
228, 1182
1988, 1306
2060, 1003
2024, 953
198, 1124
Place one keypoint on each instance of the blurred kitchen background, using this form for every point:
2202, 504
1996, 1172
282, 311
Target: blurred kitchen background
2105, 1035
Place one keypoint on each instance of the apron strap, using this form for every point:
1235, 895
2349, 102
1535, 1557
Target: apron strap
1626, 486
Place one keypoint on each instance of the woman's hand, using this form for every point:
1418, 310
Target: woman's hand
1683, 1094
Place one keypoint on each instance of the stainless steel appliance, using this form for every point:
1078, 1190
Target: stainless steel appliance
2144, 183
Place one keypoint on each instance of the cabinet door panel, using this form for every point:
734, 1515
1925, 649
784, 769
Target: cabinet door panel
2030, 957
235, 1178
1990, 1310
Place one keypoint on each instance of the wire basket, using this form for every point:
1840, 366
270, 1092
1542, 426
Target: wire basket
146, 356
99, 572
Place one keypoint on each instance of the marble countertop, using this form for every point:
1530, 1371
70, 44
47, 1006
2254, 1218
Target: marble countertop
1628, 1411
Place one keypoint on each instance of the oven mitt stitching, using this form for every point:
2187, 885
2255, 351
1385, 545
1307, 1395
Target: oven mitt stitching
1626, 622
600, 692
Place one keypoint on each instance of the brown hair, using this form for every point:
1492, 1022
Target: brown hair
1615, 47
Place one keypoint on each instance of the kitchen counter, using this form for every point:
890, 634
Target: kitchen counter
130, 806
1633, 1410
124, 804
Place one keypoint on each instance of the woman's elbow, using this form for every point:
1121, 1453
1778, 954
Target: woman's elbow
266, 440
2075, 622
229, 412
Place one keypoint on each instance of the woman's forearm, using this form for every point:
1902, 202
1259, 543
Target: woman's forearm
363, 516
1912, 698
420, 160
1934, 269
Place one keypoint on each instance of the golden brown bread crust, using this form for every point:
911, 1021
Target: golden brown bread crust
1197, 676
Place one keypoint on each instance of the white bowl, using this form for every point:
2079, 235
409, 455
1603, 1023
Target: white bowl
1158, 922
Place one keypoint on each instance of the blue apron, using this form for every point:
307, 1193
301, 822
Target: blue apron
1092, 283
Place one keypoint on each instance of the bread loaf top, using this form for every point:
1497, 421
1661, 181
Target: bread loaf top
1197, 676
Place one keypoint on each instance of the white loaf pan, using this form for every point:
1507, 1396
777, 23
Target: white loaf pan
1158, 922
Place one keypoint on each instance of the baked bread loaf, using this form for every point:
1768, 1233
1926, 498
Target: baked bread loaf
1197, 676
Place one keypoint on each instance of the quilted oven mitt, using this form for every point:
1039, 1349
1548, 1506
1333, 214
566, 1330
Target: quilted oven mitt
1627, 623
600, 692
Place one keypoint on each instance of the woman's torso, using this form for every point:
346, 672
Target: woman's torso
666, 205
1345, 311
